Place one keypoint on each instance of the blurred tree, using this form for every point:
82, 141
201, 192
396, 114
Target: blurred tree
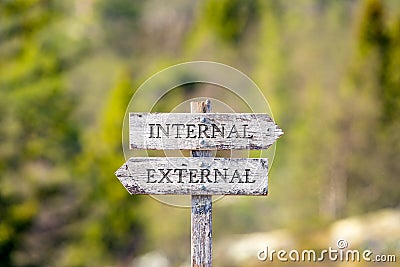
391, 92
38, 137
389, 142
109, 228
304, 106
231, 19
120, 20
368, 99
225, 31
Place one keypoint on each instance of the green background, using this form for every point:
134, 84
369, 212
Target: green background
329, 69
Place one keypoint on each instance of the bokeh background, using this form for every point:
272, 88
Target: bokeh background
329, 69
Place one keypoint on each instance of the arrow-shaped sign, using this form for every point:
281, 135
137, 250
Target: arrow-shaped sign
202, 131
194, 176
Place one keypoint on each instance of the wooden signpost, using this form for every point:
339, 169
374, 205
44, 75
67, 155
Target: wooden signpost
201, 175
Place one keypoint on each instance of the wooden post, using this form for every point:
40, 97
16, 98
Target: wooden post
201, 234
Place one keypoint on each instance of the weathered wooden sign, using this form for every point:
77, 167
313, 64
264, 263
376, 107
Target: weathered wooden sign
202, 131
200, 176
195, 176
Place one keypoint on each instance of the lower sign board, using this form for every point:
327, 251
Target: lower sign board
195, 176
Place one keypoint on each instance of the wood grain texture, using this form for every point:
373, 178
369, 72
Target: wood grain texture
197, 131
194, 176
201, 215
201, 232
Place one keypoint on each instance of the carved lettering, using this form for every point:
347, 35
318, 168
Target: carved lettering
165, 175
245, 133
233, 130
201, 130
190, 131
164, 130
246, 175
150, 175
194, 176
178, 131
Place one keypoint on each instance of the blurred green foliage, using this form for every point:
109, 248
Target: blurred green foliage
120, 20
329, 69
231, 19
39, 137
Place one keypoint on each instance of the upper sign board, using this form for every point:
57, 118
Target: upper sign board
202, 131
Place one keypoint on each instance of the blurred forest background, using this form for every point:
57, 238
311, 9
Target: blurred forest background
331, 73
